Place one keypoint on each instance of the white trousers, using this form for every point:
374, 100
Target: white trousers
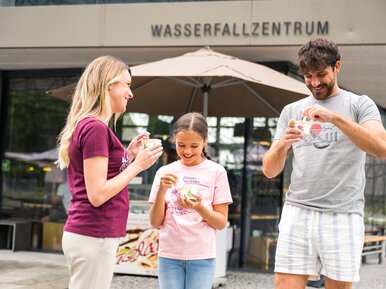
90, 260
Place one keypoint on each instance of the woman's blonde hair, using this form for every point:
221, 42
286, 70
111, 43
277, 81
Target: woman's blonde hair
91, 98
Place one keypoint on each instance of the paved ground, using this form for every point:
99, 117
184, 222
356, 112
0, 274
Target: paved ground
32, 270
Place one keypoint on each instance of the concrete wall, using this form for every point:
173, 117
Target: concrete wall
240, 23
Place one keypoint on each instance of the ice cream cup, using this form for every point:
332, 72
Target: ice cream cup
189, 192
304, 126
151, 142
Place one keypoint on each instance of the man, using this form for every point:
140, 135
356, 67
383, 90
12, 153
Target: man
322, 230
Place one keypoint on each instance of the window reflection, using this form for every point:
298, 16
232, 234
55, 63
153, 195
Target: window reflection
31, 181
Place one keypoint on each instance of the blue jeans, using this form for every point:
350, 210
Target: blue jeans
185, 274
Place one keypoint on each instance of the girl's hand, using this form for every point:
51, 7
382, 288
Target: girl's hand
167, 181
135, 145
185, 202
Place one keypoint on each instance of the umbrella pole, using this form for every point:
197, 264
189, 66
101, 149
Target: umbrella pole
205, 94
245, 211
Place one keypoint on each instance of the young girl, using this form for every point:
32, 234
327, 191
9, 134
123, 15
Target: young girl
188, 223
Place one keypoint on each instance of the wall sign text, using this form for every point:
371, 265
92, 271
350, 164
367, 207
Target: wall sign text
253, 29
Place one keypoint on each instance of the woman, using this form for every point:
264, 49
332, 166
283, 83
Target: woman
99, 170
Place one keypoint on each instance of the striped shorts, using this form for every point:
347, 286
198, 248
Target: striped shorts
318, 243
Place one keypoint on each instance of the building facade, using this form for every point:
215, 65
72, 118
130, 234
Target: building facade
44, 45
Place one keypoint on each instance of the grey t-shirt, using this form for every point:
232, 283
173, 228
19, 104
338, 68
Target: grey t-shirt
328, 169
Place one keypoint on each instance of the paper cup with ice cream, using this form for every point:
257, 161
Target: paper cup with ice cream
189, 192
149, 143
304, 126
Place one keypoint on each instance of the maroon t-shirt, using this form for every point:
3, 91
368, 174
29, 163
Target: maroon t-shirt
93, 138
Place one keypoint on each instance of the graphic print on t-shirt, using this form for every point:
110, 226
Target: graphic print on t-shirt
173, 205
322, 134
125, 161
172, 202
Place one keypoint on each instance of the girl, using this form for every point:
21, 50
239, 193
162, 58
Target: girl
99, 170
188, 223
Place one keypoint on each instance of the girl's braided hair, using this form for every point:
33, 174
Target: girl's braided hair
196, 122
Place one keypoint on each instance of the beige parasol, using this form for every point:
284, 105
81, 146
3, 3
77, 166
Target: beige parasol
209, 82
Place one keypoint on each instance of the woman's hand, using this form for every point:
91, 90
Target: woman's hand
146, 158
135, 145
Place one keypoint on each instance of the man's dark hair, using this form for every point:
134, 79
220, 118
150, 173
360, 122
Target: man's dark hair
318, 54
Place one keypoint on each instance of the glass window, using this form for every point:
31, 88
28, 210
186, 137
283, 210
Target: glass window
31, 180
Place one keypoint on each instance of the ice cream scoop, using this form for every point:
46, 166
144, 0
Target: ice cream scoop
148, 143
189, 192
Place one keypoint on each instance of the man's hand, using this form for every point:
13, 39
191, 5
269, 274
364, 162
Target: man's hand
274, 159
318, 113
291, 135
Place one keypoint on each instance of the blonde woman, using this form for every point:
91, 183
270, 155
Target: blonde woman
99, 170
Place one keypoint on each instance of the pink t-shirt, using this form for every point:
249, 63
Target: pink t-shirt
94, 138
184, 234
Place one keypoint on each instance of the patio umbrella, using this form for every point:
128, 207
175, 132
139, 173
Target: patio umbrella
45, 158
209, 82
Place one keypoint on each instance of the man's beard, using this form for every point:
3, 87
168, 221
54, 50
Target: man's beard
325, 92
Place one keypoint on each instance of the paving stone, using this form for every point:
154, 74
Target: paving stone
26, 270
